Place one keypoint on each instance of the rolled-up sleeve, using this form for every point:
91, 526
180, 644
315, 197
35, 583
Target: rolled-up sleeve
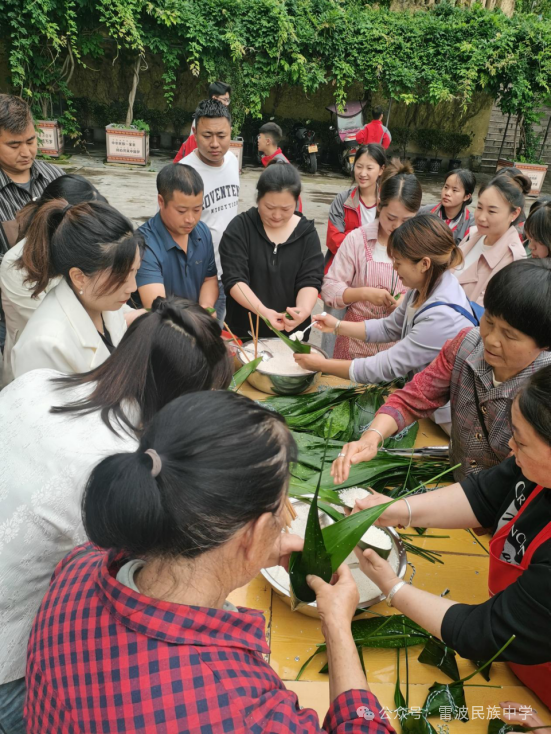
310, 273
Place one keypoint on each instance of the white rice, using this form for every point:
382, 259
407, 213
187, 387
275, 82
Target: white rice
350, 494
368, 589
282, 362
377, 537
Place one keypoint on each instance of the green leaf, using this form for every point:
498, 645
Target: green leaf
485, 673
495, 725
295, 345
241, 375
399, 701
415, 723
447, 695
436, 653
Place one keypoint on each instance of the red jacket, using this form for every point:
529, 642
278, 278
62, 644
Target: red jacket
187, 147
344, 216
375, 132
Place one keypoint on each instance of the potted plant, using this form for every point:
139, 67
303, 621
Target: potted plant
423, 139
179, 118
453, 143
50, 138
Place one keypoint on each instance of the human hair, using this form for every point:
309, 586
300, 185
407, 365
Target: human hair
512, 188
178, 177
211, 109
398, 182
15, 114
374, 151
279, 178
92, 236
224, 461
426, 236
272, 130
534, 402
538, 225
219, 88
71, 187
377, 112
540, 202
175, 348
520, 294
467, 179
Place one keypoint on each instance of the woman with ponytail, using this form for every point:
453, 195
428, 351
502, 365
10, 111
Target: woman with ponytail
495, 243
95, 252
56, 428
453, 207
362, 276
434, 310
194, 513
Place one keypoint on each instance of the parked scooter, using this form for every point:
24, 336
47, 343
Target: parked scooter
346, 124
303, 148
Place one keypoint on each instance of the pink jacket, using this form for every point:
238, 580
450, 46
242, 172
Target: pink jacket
475, 279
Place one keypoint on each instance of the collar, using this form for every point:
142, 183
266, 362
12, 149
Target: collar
166, 238
353, 199
178, 624
495, 254
36, 173
266, 159
83, 326
372, 230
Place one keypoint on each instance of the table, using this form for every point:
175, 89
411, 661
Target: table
292, 637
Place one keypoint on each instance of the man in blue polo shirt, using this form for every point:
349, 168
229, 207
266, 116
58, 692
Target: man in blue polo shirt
179, 255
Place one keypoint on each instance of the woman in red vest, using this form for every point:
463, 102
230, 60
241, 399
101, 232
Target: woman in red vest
513, 499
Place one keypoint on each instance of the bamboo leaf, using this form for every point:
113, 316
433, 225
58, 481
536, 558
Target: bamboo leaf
436, 653
295, 345
485, 673
399, 701
495, 726
451, 696
241, 375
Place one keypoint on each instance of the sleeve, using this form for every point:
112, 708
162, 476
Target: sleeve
150, 270
478, 631
234, 255
486, 491
181, 153
336, 228
362, 136
16, 296
211, 270
387, 139
340, 275
190, 145
310, 274
428, 390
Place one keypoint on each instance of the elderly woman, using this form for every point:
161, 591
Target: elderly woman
479, 372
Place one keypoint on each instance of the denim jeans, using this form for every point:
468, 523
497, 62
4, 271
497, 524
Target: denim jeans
220, 305
12, 699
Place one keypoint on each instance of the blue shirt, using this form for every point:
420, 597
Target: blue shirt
165, 262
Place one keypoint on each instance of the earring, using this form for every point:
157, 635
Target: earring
81, 292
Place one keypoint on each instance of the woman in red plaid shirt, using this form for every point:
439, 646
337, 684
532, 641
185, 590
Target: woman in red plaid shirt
141, 638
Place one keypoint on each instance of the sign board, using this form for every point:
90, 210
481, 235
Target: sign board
50, 136
125, 145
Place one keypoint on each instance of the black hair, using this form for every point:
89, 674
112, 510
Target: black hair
15, 114
540, 202
92, 236
538, 225
224, 462
211, 109
219, 89
273, 130
279, 178
175, 348
520, 294
178, 177
534, 402
467, 179
399, 182
374, 151
512, 187
377, 112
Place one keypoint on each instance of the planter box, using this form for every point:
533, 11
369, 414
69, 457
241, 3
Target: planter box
535, 172
127, 145
51, 138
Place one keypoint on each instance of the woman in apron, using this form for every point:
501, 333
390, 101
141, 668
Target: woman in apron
513, 499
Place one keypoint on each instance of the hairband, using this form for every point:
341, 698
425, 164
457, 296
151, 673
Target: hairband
156, 462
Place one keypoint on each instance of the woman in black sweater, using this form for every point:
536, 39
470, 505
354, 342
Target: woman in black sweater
271, 258
514, 500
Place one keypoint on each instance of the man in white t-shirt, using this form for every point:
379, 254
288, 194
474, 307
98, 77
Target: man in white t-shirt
219, 169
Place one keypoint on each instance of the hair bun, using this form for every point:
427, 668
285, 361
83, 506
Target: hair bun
397, 167
523, 182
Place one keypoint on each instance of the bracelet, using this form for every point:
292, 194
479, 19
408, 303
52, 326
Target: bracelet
379, 433
337, 325
393, 591
406, 501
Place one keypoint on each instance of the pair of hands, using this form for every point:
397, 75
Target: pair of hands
282, 322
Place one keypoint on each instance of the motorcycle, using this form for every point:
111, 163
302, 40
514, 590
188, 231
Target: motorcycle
346, 125
303, 148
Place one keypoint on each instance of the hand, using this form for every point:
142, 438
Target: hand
325, 323
284, 546
336, 602
396, 515
310, 361
380, 297
299, 314
377, 569
354, 452
514, 712
275, 318
130, 316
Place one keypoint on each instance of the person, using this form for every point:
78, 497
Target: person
95, 251
71, 423
510, 172
217, 91
434, 310
457, 194
479, 371
18, 302
219, 169
149, 619
362, 277
538, 229
269, 137
496, 241
271, 258
375, 131
179, 256
513, 500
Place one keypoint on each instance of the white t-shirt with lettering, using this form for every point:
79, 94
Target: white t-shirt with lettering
221, 195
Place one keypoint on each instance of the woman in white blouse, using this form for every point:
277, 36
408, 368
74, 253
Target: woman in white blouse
95, 251
18, 302
47, 454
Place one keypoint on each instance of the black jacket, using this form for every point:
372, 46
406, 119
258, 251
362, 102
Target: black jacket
275, 273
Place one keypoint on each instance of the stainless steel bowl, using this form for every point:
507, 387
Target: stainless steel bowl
281, 385
311, 609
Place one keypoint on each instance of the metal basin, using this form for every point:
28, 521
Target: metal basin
281, 585
281, 385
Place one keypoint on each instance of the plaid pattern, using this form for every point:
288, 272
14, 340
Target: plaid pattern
105, 659
455, 375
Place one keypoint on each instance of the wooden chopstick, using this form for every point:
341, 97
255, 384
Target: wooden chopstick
236, 341
256, 334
